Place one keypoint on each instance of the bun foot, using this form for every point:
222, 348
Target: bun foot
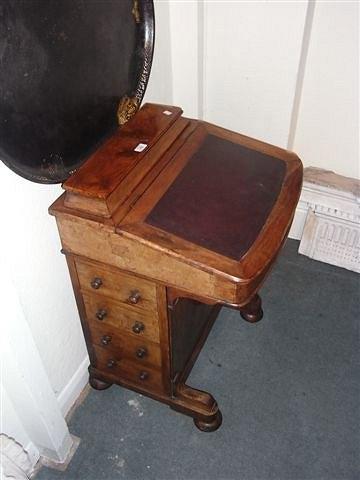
252, 312
210, 426
98, 384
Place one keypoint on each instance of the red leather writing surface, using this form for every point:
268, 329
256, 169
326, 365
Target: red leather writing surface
222, 197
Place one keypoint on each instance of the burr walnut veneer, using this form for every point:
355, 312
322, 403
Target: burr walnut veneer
168, 221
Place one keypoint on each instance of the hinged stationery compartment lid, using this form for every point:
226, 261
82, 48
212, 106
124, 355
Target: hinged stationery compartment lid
71, 72
106, 182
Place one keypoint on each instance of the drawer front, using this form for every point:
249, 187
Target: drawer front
103, 311
137, 350
142, 376
136, 292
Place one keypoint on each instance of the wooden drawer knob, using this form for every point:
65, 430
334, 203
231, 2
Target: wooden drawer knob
101, 314
96, 283
143, 376
138, 327
141, 352
134, 297
111, 363
105, 339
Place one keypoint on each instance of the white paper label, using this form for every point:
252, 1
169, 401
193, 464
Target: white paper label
140, 147
167, 112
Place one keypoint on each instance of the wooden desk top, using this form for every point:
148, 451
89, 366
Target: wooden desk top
204, 196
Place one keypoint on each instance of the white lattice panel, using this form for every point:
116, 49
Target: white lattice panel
332, 241
332, 228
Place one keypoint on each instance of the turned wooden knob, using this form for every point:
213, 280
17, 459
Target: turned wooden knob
141, 352
105, 339
134, 297
144, 376
138, 327
101, 314
96, 283
111, 363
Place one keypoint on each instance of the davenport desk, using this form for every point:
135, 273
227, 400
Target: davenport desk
164, 219
182, 218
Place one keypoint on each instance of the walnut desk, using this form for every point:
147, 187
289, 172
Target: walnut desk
168, 221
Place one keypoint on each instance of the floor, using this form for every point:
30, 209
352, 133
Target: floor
288, 388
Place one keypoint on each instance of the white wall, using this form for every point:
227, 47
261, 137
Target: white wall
31, 243
30, 411
251, 57
327, 133
13, 426
284, 72
186, 55
160, 86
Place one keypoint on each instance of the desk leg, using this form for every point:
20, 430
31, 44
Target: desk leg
206, 426
252, 312
97, 384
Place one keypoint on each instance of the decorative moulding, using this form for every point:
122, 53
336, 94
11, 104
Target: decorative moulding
327, 219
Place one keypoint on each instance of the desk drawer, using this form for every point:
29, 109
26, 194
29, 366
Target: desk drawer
134, 349
142, 376
103, 311
136, 292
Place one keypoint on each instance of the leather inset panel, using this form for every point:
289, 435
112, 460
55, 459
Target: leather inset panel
222, 198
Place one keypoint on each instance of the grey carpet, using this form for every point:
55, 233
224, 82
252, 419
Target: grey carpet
288, 389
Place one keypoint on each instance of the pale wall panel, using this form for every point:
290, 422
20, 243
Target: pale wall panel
12, 426
252, 52
327, 133
31, 244
159, 89
185, 54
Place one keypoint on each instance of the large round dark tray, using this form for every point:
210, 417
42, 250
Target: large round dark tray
71, 71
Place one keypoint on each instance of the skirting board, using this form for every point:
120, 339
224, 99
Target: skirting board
70, 393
